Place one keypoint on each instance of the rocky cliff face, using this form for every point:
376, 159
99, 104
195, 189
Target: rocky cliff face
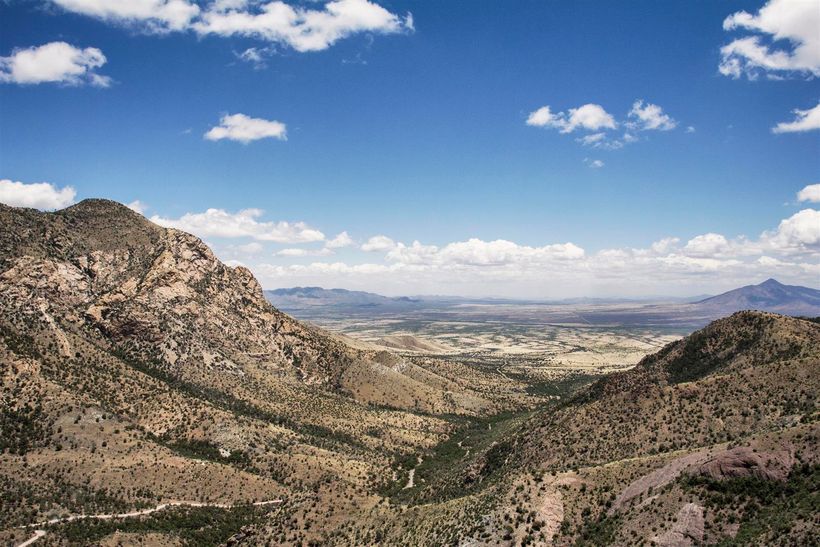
159, 294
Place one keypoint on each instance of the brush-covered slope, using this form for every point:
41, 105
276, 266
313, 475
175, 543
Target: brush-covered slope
737, 376
713, 439
137, 368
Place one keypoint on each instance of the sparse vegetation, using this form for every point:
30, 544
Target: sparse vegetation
156, 373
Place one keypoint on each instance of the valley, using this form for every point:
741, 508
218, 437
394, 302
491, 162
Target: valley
146, 381
536, 344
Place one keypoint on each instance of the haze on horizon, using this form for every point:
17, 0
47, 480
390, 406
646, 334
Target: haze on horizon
529, 150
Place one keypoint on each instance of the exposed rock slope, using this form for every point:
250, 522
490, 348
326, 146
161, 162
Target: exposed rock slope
161, 292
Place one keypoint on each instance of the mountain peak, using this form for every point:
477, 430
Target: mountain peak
771, 295
98, 204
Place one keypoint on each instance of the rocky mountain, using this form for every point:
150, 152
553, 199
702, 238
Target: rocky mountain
139, 369
770, 295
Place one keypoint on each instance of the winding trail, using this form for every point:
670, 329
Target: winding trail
37, 535
411, 475
107, 516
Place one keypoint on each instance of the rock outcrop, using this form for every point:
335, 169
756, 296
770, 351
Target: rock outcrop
744, 461
687, 530
157, 293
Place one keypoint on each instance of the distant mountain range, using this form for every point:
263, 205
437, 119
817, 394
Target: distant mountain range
770, 295
298, 298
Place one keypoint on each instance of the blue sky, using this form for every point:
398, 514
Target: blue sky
408, 120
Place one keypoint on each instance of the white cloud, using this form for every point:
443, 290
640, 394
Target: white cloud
650, 117
593, 139
156, 15
590, 117
596, 120
137, 206
476, 252
244, 129
254, 247
304, 252
793, 21
55, 62
500, 251
809, 193
790, 252
665, 245
594, 164
378, 243
804, 120
37, 195
245, 223
706, 245
341, 240
256, 56
541, 117
690, 129
798, 233
300, 28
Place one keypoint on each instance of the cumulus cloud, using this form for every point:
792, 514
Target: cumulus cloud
594, 119
245, 223
155, 15
37, 195
137, 206
244, 129
55, 62
664, 246
341, 240
798, 233
790, 252
294, 252
791, 22
706, 245
378, 243
500, 251
590, 117
297, 27
809, 193
476, 252
804, 120
302, 29
648, 117
594, 164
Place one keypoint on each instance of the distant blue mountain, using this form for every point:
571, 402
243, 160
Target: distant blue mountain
300, 298
770, 295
